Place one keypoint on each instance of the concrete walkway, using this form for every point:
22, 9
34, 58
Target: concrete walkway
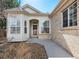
53, 50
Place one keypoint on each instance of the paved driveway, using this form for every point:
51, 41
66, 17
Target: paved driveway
53, 50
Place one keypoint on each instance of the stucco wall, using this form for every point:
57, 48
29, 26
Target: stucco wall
66, 37
22, 36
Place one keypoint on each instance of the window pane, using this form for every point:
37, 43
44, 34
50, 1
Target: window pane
15, 30
25, 24
25, 30
65, 18
71, 22
18, 23
18, 29
45, 28
25, 27
15, 27
12, 30
73, 15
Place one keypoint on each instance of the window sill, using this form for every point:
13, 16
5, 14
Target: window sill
45, 33
14, 33
70, 28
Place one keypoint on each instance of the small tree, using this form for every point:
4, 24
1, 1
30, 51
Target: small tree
6, 4
10, 3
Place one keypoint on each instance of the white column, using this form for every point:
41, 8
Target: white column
39, 28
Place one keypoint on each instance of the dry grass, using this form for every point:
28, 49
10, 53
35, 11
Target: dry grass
22, 50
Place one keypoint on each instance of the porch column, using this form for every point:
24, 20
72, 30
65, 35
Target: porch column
28, 28
40, 26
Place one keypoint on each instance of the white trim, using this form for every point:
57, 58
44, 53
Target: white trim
31, 29
68, 17
61, 19
32, 8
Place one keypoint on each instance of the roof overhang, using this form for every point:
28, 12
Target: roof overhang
21, 10
59, 6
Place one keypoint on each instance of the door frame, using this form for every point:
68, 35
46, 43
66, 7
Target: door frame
31, 28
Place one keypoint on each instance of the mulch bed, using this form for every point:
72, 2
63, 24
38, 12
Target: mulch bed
22, 50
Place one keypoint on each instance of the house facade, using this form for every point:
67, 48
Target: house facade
27, 22
62, 25
65, 26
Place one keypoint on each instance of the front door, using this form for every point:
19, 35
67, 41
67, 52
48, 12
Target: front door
34, 30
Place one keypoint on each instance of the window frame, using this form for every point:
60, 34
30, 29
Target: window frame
72, 15
15, 30
44, 27
67, 18
25, 26
69, 15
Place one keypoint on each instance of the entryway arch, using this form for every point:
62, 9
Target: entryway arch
34, 27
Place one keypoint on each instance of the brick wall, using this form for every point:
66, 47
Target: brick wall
66, 37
